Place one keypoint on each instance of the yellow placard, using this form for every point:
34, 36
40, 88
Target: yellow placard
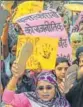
27, 8
44, 51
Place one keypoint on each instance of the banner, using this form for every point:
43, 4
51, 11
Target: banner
64, 49
48, 23
27, 8
44, 51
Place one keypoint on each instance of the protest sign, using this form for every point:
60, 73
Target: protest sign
64, 49
44, 51
28, 7
48, 23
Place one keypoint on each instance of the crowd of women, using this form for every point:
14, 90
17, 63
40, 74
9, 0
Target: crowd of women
39, 88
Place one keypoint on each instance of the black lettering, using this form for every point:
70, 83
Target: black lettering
54, 14
62, 43
29, 29
45, 15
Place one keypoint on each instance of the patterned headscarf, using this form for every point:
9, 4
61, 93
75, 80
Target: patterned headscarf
57, 101
47, 76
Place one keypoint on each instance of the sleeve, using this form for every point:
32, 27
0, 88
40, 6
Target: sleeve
70, 96
74, 94
16, 100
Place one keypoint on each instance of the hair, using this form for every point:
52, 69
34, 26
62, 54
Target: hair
61, 60
79, 51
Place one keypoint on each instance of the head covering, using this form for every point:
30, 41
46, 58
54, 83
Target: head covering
57, 101
47, 76
75, 37
79, 51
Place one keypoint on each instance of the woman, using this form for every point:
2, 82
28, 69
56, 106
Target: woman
45, 95
62, 64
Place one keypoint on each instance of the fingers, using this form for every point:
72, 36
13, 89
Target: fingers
61, 87
17, 70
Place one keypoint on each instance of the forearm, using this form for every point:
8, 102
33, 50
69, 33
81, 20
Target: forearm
12, 83
9, 96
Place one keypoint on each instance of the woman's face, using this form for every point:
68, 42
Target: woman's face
45, 90
60, 70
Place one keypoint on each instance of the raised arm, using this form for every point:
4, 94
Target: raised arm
18, 68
